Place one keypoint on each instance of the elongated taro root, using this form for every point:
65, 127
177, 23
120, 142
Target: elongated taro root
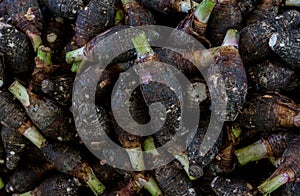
2, 70
26, 16
64, 8
51, 119
267, 9
166, 6
170, 177
14, 145
55, 185
227, 79
233, 186
272, 145
224, 10
287, 171
270, 112
137, 14
95, 18
287, 46
17, 52
27, 177
255, 37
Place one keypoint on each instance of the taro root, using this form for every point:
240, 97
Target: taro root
269, 112
51, 119
14, 145
224, 10
272, 75
137, 14
42, 69
195, 23
26, 16
95, 18
287, 171
105, 172
227, 79
255, 37
271, 145
170, 177
287, 46
17, 52
267, 9
12, 115
247, 6
64, 8
167, 7
233, 186
59, 88
27, 177
55, 185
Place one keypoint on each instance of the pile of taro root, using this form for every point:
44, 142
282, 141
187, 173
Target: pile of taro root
250, 90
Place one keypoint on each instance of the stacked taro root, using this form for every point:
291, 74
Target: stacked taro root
255, 50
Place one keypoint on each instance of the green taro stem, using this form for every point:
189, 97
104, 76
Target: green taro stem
119, 16
45, 54
184, 160
204, 10
35, 39
231, 38
142, 46
76, 66
75, 55
149, 146
274, 183
151, 186
136, 158
253, 152
20, 92
35, 137
1, 183
94, 183
236, 132
26, 194
292, 3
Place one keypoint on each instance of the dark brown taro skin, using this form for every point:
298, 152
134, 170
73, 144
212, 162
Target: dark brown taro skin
27, 177
60, 185
223, 186
14, 144
2, 70
95, 18
223, 11
64, 8
173, 180
17, 52
163, 6
229, 70
268, 112
137, 14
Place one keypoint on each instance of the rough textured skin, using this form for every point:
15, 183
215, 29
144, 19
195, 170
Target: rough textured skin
271, 75
287, 47
163, 6
26, 15
267, 9
247, 6
11, 112
234, 187
14, 144
254, 38
172, 180
60, 185
26, 178
2, 70
64, 8
225, 11
95, 18
268, 112
228, 68
59, 88
17, 52
51, 119
137, 14
197, 159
